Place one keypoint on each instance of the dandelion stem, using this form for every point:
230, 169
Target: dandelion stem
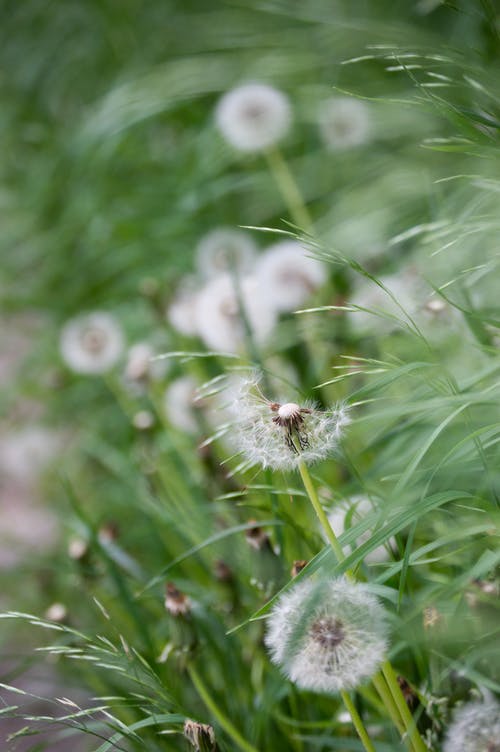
323, 519
289, 189
381, 686
404, 711
223, 722
358, 723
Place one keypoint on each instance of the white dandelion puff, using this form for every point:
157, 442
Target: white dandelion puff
281, 435
180, 404
253, 117
181, 311
327, 635
344, 123
219, 320
141, 368
91, 343
475, 728
225, 249
25, 453
288, 276
350, 511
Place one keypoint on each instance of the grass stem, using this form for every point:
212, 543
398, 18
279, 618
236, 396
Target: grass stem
219, 716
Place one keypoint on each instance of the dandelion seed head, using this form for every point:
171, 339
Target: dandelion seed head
327, 635
475, 728
141, 367
280, 435
181, 311
344, 123
253, 117
180, 404
218, 318
225, 249
91, 343
288, 276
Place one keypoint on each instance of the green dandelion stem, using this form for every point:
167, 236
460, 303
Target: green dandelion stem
221, 719
404, 711
358, 723
289, 189
380, 685
323, 519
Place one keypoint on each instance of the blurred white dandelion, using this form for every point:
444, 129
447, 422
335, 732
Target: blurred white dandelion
225, 249
26, 452
327, 635
281, 435
288, 276
142, 368
181, 310
219, 319
253, 117
91, 343
475, 728
344, 122
350, 511
180, 404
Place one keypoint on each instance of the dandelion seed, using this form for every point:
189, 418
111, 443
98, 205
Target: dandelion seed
225, 250
347, 513
253, 117
327, 635
287, 276
280, 435
91, 343
475, 728
344, 123
218, 317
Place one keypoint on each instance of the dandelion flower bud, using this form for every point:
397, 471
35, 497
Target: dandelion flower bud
287, 276
225, 250
344, 123
475, 728
91, 343
281, 435
253, 117
327, 635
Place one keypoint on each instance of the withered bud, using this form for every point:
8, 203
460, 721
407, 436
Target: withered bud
408, 693
176, 603
487, 587
200, 735
298, 566
222, 571
431, 617
256, 537
109, 532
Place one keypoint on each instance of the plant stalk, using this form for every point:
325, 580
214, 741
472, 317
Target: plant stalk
221, 719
